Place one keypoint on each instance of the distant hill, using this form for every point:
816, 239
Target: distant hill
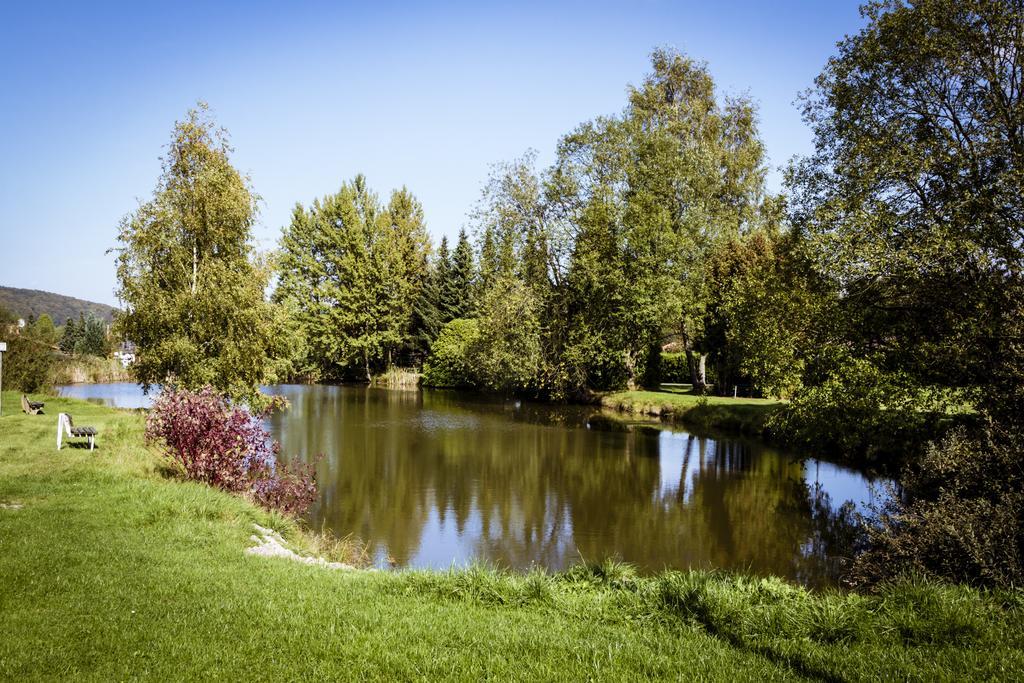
26, 302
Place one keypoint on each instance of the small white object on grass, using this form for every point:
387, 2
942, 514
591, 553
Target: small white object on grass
272, 545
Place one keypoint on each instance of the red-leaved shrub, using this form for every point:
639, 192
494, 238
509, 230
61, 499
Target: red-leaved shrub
290, 488
226, 446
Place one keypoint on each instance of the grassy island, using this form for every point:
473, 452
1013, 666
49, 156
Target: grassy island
114, 571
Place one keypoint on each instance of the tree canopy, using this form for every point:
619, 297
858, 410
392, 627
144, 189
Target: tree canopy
914, 190
192, 284
351, 268
913, 209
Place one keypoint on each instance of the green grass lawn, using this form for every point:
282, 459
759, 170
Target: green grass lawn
746, 415
109, 570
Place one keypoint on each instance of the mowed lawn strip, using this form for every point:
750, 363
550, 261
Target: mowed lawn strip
112, 571
745, 415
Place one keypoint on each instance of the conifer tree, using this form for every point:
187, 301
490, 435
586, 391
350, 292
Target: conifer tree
443, 277
426, 322
72, 334
351, 270
489, 265
458, 299
405, 266
443, 264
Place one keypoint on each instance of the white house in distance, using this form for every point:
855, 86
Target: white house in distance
125, 353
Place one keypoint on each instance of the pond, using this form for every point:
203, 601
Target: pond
435, 478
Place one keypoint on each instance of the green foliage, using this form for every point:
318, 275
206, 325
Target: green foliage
409, 273
960, 516
45, 331
674, 368
456, 298
425, 320
193, 288
861, 411
506, 353
442, 271
766, 300
85, 337
72, 335
349, 268
449, 363
912, 199
500, 349
643, 229
612, 240
588, 361
29, 359
93, 339
520, 235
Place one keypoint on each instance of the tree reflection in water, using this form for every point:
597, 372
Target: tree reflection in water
433, 478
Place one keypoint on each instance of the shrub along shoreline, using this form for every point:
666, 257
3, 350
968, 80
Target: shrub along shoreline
105, 543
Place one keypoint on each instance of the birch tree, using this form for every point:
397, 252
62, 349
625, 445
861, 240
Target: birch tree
189, 277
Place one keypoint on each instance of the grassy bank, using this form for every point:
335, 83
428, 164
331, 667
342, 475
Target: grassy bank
744, 415
113, 571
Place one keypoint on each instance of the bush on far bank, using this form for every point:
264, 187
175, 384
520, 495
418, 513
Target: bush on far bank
29, 358
449, 362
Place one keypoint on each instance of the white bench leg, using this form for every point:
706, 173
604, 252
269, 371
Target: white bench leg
91, 442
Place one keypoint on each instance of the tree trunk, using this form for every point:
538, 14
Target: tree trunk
691, 365
631, 383
697, 363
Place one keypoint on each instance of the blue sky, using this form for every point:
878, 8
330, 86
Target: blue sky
417, 94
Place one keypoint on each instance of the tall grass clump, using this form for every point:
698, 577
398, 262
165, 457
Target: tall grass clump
87, 369
485, 584
397, 378
225, 446
921, 612
608, 573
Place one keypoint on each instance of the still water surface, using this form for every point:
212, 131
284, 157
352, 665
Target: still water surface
435, 478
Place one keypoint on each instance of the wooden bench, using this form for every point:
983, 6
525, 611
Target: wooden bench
31, 407
65, 425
